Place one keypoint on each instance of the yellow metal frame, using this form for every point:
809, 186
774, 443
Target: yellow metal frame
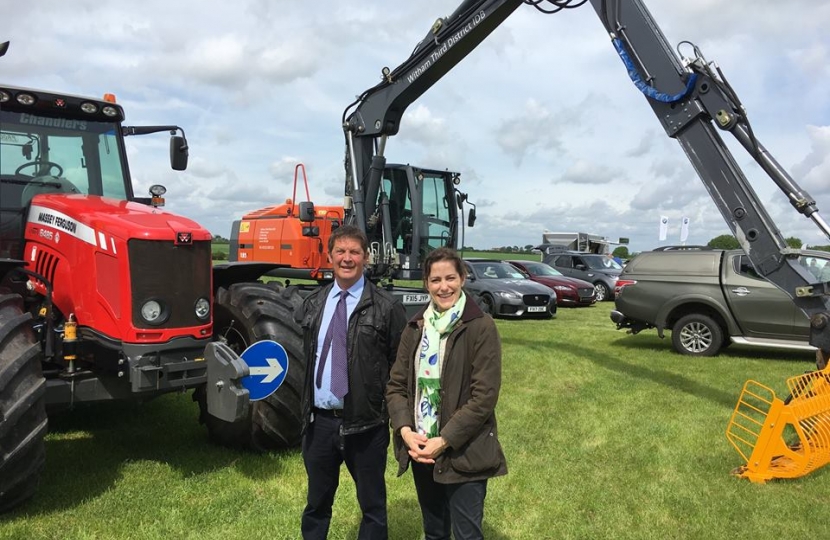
782, 439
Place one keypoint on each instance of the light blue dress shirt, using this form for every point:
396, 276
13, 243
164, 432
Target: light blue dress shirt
323, 397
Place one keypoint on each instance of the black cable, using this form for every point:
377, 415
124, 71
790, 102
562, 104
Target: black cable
560, 5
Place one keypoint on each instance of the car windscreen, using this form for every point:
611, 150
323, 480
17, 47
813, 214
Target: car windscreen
541, 269
496, 270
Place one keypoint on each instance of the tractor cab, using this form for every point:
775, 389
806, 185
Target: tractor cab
58, 144
55, 144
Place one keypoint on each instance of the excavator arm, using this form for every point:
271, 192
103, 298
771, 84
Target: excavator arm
689, 96
694, 102
379, 109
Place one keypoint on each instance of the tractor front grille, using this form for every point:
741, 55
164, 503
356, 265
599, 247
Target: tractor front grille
174, 275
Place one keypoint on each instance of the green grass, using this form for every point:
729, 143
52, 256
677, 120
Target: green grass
607, 435
220, 248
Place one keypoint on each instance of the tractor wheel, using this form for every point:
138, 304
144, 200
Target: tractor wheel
697, 335
22, 404
245, 313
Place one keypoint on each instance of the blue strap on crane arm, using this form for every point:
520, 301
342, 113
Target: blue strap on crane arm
650, 91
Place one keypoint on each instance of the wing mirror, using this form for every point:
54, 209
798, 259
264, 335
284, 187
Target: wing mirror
178, 152
306, 214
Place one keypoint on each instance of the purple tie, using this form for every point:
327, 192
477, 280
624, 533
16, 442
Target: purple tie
336, 341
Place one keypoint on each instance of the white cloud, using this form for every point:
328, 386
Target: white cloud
583, 172
541, 119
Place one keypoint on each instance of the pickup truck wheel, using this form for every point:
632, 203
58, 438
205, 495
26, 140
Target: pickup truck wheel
244, 314
697, 335
22, 405
602, 291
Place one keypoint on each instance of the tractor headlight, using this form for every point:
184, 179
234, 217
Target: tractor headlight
26, 99
152, 312
202, 309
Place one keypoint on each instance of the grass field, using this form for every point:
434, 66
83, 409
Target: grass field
607, 436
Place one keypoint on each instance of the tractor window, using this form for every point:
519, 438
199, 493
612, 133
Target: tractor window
44, 154
82, 154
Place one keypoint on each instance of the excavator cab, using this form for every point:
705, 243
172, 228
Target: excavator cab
422, 213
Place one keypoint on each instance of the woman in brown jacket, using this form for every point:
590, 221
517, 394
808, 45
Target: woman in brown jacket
442, 397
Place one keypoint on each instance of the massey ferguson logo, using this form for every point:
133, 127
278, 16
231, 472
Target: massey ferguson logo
184, 238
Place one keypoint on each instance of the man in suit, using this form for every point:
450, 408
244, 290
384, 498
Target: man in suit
351, 333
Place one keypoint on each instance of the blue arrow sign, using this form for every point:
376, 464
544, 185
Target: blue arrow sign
268, 365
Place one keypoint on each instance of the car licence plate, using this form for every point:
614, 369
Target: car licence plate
536, 309
421, 298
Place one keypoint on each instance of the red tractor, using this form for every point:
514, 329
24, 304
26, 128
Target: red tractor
105, 296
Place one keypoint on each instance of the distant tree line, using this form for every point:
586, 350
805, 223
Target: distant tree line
503, 249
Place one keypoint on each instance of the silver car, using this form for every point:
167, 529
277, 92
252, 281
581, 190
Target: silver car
503, 291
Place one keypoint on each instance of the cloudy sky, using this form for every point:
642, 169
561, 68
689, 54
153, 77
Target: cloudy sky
541, 119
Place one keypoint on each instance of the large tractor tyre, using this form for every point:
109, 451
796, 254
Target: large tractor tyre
697, 335
245, 313
22, 404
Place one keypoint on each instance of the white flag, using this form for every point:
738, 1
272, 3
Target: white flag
684, 229
664, 227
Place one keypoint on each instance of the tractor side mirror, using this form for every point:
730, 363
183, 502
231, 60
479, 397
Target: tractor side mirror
471, 217
306, 212
178, 153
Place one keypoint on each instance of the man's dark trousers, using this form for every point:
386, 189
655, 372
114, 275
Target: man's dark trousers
324, 450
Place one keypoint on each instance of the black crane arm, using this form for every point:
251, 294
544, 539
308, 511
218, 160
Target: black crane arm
377, 112
689, 95
379, 109
694, 102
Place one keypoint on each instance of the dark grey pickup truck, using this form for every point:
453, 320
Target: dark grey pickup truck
709, 299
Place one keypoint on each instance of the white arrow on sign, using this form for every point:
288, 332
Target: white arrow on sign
271, 371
